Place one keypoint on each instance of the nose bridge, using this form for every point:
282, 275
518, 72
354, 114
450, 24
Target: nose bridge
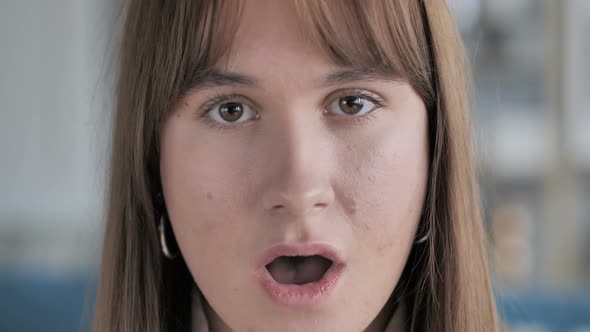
298, 180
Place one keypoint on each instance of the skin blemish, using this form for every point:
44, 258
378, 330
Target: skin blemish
209, 196
383, 247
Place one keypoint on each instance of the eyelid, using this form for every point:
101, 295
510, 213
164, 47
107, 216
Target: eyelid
204, 112
370, 96
221, 98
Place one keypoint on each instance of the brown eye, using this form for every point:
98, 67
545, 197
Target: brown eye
231, 111
352, 105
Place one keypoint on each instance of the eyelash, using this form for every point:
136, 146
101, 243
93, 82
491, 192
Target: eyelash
219, 99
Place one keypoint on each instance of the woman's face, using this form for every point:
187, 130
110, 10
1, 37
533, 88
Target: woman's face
295, 157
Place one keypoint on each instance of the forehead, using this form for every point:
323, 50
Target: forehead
270, 42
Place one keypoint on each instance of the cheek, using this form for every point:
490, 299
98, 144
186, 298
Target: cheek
396, 189
203, 191
389, 179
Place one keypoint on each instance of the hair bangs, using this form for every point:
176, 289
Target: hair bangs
387, 36
195, 36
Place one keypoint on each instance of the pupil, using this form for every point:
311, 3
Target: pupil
351, 104
231, 111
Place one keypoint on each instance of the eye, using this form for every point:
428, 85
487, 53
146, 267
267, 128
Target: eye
354, 104
230, 112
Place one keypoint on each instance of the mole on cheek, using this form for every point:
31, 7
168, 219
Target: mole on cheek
184, 104
209, 196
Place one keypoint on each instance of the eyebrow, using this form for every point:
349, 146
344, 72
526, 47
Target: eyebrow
215, 78
359, 74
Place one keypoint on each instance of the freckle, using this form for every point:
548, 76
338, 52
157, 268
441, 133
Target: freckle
209, 196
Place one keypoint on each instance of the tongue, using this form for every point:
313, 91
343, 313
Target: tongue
311, 269
298, 270
282, 270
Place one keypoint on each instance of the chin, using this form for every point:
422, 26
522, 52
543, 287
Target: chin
302, 322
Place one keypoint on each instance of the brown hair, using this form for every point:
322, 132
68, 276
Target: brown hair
446, 280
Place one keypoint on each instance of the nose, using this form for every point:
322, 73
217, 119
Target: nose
299, 172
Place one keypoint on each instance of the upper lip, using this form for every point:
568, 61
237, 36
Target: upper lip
305, 249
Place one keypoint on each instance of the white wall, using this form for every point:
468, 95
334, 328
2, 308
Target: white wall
53, 116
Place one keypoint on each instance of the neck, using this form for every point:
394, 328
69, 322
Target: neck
384, 320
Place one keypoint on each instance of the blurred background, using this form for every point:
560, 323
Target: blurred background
531, 113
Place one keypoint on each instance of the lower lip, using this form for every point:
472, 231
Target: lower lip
305, 295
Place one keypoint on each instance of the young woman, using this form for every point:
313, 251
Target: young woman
292, 166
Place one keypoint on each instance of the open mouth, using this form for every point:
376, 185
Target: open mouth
298, 270
300, 275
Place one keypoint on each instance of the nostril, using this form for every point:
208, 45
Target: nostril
297, 190
280, 208
298, 203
